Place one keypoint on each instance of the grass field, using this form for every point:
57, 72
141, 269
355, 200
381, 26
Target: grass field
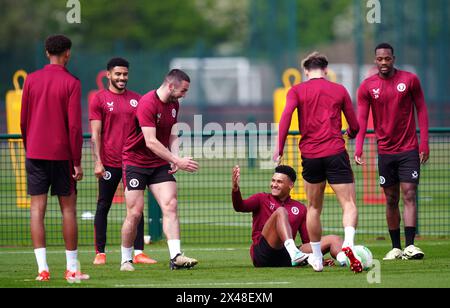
227, 266
220, 238
206, 211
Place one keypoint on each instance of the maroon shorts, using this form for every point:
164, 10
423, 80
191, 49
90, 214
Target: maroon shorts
43, 174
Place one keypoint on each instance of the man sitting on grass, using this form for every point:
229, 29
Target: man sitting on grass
276, 220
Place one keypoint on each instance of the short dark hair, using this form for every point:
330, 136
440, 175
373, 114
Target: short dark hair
117, 62
287, 170
57, 44
315, 61
384, 46
177, 76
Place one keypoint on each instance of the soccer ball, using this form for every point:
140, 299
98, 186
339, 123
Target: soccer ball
364, 255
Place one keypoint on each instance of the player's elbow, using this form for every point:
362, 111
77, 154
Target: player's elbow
151, 143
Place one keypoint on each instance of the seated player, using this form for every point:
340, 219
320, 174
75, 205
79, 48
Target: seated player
276, 220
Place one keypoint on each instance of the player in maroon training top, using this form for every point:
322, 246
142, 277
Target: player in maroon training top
276, 221
52, 137
150, 158
324, 158
111, 114
393, 95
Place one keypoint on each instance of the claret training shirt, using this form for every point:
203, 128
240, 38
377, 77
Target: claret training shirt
117, 113
151, 112
50, 118
392, 101
319, 104
263, 205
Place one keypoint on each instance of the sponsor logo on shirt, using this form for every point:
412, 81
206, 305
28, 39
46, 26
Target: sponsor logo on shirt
401, 87
107, 176
134, 103
272, 206
134, 183
382, 180
174, 113
415, 175
295, 210
110, 106
376, 93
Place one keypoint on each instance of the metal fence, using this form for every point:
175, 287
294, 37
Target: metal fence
205, 207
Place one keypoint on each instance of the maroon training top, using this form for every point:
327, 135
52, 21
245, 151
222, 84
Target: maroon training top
319, 104
50, 118
263, 205
151, 112
392, 101
117, 113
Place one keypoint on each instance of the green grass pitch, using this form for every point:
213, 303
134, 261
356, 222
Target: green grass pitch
226, 266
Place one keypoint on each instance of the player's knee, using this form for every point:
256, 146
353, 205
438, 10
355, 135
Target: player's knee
335, 239
170, 209
392, 200
282, 211
134, 216
37, 213
69, 212
171, 205
409, 196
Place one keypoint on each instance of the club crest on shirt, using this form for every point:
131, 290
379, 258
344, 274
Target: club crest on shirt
295, 210
174, 113
110, 106
401, 87
158, 118
376, 93
134, 103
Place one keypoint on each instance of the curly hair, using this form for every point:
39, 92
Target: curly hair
117, 62
57, 44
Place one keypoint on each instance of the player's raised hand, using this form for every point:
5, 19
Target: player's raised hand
186, 164
99, 170
359, 161
277, 158
236, 178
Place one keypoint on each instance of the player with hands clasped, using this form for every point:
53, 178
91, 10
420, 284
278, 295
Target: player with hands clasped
150, 159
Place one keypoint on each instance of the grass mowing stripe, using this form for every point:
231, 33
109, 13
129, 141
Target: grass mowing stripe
214, 284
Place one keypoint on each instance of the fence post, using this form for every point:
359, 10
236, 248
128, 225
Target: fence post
154, 219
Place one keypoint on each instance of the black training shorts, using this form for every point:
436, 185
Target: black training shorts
335, 169
399, 168
266, 256
137, 178
43, 174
